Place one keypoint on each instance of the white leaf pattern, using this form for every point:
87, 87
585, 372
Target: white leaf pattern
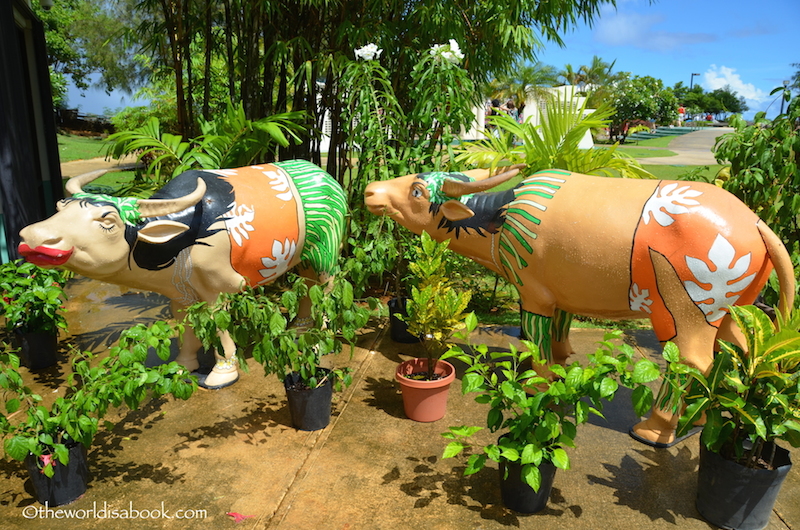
640, 299
280, 183
284, 253
238, 222
726, 281
669, 201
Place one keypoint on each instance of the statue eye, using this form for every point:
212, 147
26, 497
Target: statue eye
107, 222
418, 190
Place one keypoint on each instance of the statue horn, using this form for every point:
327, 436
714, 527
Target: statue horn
455, 189
157, 207
75, 184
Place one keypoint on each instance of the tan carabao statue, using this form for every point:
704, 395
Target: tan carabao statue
678, 253
205, 232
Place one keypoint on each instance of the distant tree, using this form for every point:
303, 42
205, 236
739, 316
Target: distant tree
680, 90
597, 73
86, 37
795, 80
641, 98
727, 102
524, 81
570, 76
275, 53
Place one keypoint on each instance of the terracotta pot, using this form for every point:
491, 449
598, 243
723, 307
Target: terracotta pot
424, 401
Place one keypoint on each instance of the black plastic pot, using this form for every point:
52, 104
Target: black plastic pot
310, 408
398, 330
518, 495
732, 496
68, 482
36, 350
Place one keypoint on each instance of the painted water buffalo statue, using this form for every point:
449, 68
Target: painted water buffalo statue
205, 232
678, 253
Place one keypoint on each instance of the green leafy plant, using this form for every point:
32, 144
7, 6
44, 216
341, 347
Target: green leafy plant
553, 144
231, 140
388, 142
436, 309
750, 399
540, 415
121, 378
33, 297
259, 323
764, 158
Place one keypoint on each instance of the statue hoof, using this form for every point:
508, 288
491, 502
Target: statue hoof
658, 438
223, 374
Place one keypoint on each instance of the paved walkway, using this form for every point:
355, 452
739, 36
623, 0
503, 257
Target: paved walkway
693, 149
78, 167
233, 451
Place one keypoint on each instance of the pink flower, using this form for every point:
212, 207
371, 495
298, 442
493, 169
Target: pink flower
237, 517
47, 460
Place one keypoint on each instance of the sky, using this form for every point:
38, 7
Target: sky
749, 45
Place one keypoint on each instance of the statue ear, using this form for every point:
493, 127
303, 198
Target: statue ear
454, 210
161, 231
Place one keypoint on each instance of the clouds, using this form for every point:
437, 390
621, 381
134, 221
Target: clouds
640, 30
720, 76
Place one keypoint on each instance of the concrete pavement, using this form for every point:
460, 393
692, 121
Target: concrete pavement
233, 451
693, 149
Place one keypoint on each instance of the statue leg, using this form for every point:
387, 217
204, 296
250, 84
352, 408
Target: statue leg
225, 371
303, 320
190, 344
550, 334
537, 329
695, 339
561, 347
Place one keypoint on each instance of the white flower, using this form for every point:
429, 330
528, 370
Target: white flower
368, 52
449, 52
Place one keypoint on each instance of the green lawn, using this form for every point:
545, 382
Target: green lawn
644, 152
79, 147
675, 172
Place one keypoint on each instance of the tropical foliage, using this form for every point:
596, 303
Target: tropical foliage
229, 141
538, 415
749, 399
642, 98
259, 322
436, 308
33, 297
764, 159
121, 378
553, 144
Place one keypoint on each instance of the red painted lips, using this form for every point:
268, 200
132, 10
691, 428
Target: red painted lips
44, 256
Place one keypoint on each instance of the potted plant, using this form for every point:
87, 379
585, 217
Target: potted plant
538, 416
32, 303
52, 439
749, 401
259, 325
435, 310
